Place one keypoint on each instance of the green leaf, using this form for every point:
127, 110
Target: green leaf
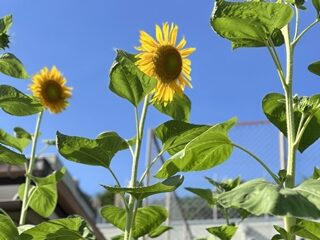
250, 24
127, 81
261, 197
205, 194
18, 143
16, 103
12, 66
175, 135
179, 109
315, 67
44, 194
5, 24
225, 185
307, 229
282, 231
316, 4
118, 237
204, 151
223, 232
147, 218
8, 229
21, 133
274, 108
10, 157
97, 152
71, 228
140, 193
159, 231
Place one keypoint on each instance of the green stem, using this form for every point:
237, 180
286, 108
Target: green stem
274, 176
277, 62
290, 180
296, 40
134, 170
297, 22
29, 170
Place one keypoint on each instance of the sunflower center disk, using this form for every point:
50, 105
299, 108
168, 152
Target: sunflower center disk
52, 91
168, 64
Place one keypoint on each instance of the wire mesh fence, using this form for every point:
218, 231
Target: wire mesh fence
261, 138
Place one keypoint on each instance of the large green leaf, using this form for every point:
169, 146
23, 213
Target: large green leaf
12, 66
44, 194
159, 231
223, 232
5, 24
16, 103
10, 157
97, 152
178, 109
315, 67
274, 108
204, 151
18, 143
174, 135
250, 24
140, 193
205, 194
147, 218
71, 228
307, 229
8, 229
127, 81
261, 197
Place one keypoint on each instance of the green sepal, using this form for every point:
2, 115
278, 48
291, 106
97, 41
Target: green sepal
96, 152
126, 79
147, 219
16, 103
5, 24
44, 194
140, 193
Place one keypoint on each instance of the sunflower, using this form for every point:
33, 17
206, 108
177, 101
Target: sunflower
162, 59
49, 87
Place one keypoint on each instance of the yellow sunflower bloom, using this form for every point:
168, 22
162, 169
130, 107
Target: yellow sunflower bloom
166, 61
49, 87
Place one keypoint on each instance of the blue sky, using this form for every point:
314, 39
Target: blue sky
79, 37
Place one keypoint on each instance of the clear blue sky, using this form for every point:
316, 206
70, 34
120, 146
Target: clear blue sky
79, 37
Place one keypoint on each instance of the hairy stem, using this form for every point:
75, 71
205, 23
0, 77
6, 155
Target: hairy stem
133, 182
29, 170
290, 180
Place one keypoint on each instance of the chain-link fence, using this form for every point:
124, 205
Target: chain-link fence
189, 213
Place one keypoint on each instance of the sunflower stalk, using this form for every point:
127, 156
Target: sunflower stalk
132, 205
29, 169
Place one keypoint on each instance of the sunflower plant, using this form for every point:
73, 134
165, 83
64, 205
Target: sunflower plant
38, 193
